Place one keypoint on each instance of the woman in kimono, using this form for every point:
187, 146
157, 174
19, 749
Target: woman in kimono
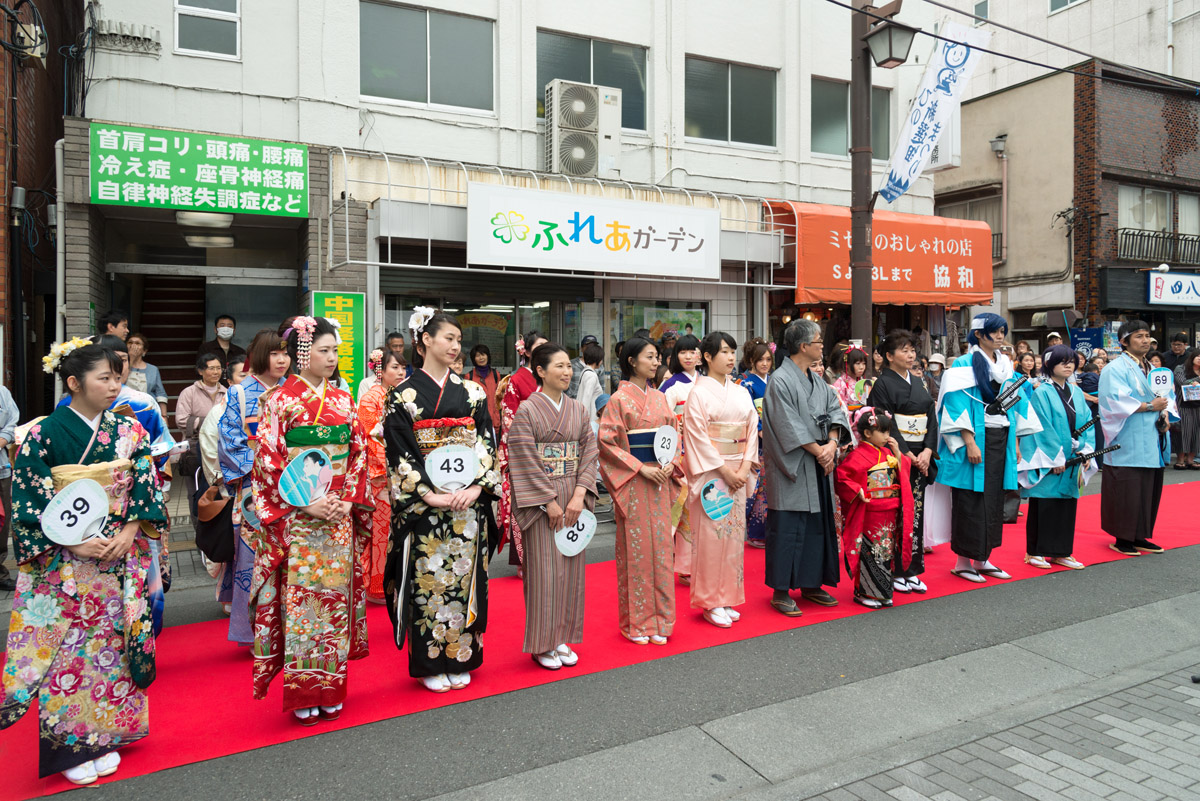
683, 367
436, 576
720, 444
553, 474
847, 385
519, 387
978, 451
1051, 487
757, 360
307, 591
237, 430
386, 366
877, 509
642, 497
80, 640
902, 395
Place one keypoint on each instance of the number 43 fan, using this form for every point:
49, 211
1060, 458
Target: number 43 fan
76, 513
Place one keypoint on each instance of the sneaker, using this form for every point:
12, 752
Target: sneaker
733, 614
437, 684
107, 765
1037, 561
718, 618
81, 774
1125, 548
900, 584
916, 585
1146, 546
1068, 561
566, 656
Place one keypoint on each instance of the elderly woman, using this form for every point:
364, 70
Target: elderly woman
142, 376
194, 404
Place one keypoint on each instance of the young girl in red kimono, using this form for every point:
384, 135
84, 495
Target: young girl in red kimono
520, 386
876, 508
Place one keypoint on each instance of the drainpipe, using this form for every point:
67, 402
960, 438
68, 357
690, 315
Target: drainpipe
1003, 209
1170, 37
60, 256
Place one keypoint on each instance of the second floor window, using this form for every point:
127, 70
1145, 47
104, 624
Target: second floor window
425, 56
1057, 5
729, 102
572, 58
1144, 209
208, 28
1189, 215
831, 119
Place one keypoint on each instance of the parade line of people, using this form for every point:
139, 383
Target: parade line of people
403, 498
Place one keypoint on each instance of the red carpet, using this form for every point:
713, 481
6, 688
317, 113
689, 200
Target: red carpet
203, 678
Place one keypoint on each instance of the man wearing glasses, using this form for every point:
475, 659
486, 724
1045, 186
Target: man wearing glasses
803, 424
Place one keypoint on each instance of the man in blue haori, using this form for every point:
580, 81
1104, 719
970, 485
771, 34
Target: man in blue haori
977, 448
1139, 421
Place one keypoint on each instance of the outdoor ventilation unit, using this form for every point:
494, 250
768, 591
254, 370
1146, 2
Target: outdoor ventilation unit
583, 130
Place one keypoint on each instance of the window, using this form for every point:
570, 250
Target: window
981, 10
1143, 209
986, 210
208, 28
1189, 215
729, 102
1059, 5
424, 56
831, 119
572, 58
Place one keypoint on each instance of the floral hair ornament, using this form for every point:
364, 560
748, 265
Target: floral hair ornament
869, 411
771, 347
375, 362
521, 347
304, 327
420, 318
337, 329
60, 351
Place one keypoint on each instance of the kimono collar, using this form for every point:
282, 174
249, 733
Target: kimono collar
441, 384
92, 424
320, 390
632, 385
1001, 369
557, 404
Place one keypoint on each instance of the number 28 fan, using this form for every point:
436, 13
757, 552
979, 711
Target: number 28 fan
76, 513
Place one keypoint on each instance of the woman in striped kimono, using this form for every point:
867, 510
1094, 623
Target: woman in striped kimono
552, 468
642, 494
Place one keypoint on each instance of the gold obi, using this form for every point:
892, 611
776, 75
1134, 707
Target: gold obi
433, 434
728, 438
559, 459
881, 480
116, 478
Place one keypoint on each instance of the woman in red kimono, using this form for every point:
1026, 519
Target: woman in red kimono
307, 590
521, 385
877, 508
389, 372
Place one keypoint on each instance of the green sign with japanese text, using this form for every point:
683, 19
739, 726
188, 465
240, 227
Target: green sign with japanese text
188, 171
348, 310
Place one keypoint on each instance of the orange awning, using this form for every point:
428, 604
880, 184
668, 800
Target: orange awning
918, 259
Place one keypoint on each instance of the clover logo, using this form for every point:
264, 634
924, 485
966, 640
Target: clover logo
507, 226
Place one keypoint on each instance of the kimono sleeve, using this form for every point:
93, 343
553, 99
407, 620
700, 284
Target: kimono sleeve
270, 459
787, 426
530, 485
145, 497
618, 466
955, 417
851, 477
1085, 442
1043, 450
1023, 417
234, 453
699, 455
355, 487
32, 489
406, 466
489, 477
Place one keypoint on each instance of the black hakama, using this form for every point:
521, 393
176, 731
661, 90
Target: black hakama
1129, 501
977, 518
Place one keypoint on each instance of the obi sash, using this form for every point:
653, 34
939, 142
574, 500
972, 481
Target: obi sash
333, 440
728, 438
116, 477
882, 480
559, 459
434, 433
641, 445
912, 427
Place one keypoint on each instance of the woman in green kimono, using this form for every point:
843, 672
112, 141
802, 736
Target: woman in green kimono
80, 639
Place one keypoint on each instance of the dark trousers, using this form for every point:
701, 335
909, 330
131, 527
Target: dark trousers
6, 499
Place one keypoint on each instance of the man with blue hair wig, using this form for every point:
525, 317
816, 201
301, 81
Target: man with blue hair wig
977, 446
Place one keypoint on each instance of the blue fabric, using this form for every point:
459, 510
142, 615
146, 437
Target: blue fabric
1055, 437
234, 454
757, 387
641, 446
154, 384
1122, 382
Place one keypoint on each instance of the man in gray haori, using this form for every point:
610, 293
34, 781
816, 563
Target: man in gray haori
803, 422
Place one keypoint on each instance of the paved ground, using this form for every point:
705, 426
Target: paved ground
1071, 686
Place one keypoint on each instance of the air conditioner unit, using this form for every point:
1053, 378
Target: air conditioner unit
947, 154
583, 130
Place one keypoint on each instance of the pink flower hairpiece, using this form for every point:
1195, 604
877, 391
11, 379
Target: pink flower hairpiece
521, 348
771, 347
375, 362
304, 327
872, 416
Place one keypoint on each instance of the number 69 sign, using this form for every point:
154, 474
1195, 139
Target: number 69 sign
76, 513
452, 467
572, 540
1162, 381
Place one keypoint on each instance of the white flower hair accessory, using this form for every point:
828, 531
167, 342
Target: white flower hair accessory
60, 351
420, 318
337, 329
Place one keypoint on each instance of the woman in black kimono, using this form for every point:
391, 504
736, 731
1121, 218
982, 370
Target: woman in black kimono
904, 396
435, 580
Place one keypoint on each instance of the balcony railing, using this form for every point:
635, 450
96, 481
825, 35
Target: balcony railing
1135, 244
997, 246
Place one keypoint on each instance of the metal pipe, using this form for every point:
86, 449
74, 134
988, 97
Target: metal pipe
861, 256
60, 256
1170, 37
1003, 209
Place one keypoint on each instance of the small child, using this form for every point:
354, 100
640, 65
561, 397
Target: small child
877, 508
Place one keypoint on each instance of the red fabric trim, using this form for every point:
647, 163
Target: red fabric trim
444, 422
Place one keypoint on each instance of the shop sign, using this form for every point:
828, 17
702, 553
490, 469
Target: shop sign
916, 259
519, 227
1174, 289
188, 171
349, 310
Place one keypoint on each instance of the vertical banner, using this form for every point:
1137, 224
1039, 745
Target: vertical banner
941, 88
349, 309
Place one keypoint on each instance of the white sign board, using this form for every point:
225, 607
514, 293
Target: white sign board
572, 540
512, 226
452, 467
666, 440
76, 513
1174, 289
1162, 382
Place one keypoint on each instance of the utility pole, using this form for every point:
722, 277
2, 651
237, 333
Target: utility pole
861, 201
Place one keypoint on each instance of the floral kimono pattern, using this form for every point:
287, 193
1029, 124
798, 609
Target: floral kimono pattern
521, 385
876, 533
307, 591
436, 575
80, 638
756, 504
374, 558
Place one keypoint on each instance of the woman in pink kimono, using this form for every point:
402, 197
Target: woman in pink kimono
720, 446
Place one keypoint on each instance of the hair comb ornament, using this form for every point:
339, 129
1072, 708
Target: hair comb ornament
420, 318
304, 327
60, 351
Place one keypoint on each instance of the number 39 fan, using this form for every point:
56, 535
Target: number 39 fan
76, 513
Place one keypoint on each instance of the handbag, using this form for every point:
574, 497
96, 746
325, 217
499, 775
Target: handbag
214, 525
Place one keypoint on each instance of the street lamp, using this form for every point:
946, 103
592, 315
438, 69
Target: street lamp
886, 42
